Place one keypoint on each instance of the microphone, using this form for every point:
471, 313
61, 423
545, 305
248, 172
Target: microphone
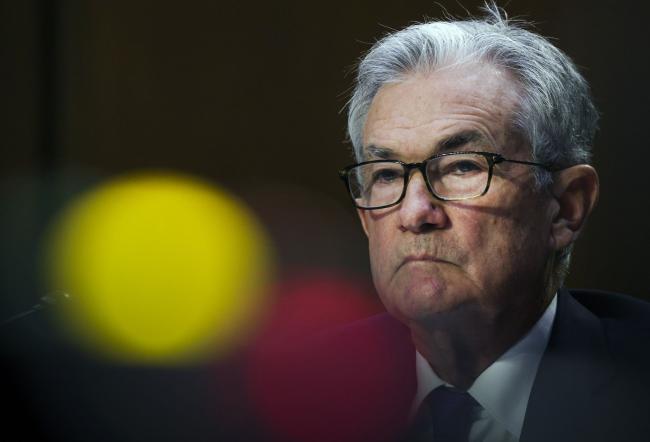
46, 302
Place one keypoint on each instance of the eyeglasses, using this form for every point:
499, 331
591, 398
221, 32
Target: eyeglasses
449, 176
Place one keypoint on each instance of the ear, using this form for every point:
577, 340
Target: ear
364, 222
576, 191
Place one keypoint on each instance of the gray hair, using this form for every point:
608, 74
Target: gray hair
555, 113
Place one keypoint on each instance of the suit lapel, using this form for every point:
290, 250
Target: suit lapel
575, 365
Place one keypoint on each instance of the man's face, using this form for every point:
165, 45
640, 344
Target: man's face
486, 254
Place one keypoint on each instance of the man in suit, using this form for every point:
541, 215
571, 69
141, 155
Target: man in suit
473, 140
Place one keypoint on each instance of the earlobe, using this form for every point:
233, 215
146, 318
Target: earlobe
362, 218
576, 192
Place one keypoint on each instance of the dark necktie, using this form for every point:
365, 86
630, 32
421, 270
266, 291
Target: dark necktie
452, 414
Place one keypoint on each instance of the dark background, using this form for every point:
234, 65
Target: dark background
249, 95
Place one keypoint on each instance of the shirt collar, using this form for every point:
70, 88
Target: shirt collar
504, 387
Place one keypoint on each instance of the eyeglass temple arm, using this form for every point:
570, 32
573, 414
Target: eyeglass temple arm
500, 159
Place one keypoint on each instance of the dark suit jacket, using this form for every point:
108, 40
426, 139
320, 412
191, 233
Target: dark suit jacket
593, 382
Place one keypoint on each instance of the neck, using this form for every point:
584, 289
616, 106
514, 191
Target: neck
460, 345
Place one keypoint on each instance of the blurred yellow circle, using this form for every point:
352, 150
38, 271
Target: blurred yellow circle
161, 268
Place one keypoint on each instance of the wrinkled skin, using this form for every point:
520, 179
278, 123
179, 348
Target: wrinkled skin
453, 270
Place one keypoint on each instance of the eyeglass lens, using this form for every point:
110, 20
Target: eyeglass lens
382, 183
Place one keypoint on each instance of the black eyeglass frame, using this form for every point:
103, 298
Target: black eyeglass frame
491, 157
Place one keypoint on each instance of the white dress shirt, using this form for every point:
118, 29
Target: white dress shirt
503, 388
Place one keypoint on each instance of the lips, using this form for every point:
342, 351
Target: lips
421, 258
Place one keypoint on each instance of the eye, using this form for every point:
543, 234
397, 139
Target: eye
464, 167
385, 176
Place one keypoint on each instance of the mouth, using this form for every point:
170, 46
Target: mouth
422, 258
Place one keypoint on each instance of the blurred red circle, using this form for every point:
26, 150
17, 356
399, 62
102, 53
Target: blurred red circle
312, 378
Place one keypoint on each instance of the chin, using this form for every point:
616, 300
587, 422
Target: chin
421, 305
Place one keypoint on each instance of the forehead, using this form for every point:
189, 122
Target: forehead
415, 116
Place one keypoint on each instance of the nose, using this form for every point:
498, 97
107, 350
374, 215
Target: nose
420, 211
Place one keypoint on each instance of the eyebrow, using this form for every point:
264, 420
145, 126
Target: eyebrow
462, 139
453, 142
382, 153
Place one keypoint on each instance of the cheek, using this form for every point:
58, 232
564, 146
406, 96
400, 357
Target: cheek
382, 248
503, 246
473, 235
379, 244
